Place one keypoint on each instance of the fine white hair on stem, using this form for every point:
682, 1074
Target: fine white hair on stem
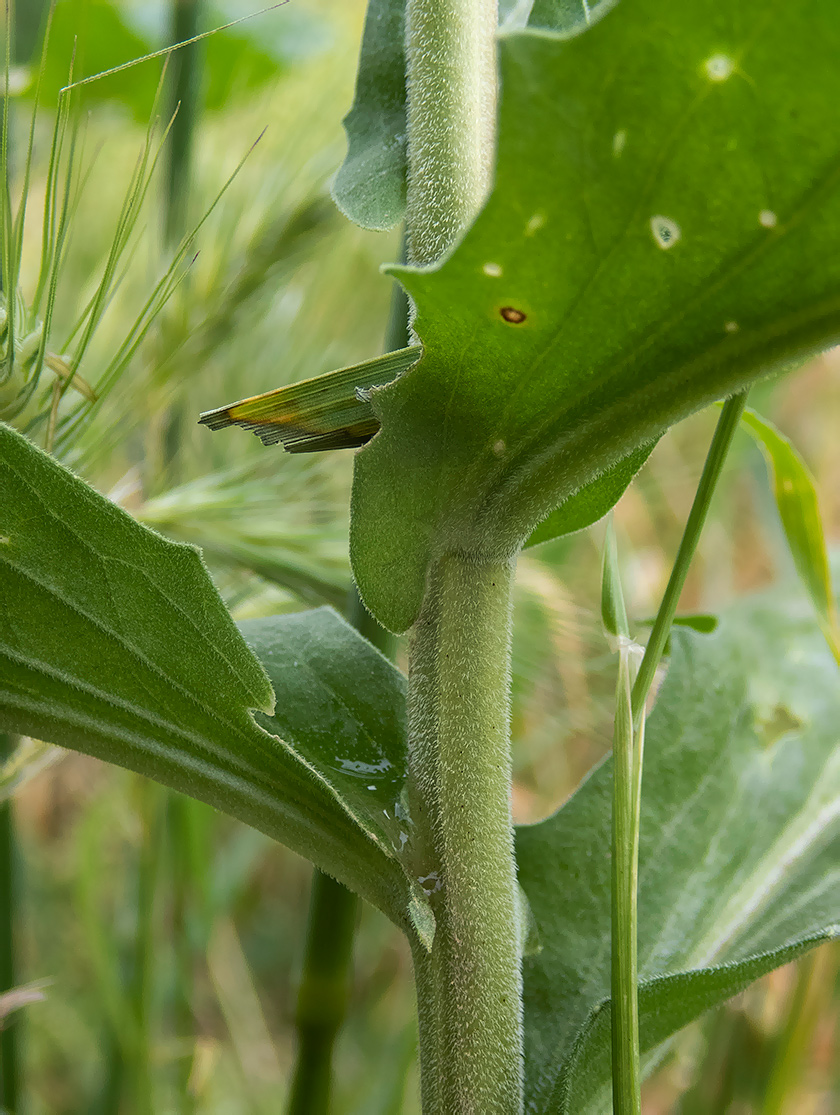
451, 55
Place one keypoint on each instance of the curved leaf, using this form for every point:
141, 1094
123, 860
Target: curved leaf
114, 642
343, 705
568, 17
665, 1005
799, 511
738, 860
637, 259
370, 185
593, 501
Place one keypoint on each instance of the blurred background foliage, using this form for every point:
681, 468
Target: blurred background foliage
167, 938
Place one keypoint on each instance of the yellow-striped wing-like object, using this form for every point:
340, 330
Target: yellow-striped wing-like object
332, 411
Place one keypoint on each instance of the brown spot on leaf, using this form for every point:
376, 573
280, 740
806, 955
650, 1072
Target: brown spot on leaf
512, 315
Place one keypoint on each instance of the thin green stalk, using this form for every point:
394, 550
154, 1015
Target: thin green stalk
185, 66
113, 1077
814, 986
323, 993
184, 80
184, 867
9, 1067
626, 815
6, 223
144, 959
184, 72
470, 988
724, 432
627, 760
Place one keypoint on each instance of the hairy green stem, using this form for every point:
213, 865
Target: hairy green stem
9, 1033
451, 59
469, 988
725, 431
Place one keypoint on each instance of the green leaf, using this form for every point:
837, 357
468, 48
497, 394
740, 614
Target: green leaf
799, 510
102, 34
343, 704
370, 186
568, 17
593, 501
703, 622
371, 183
114, 642
637, 259
739, 849
613, 610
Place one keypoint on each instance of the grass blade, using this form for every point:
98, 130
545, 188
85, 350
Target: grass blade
796, 499
328, 412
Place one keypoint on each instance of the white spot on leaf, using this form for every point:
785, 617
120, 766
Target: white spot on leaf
719, 67
355, 766
665, 232
499, 447
732, 327
535, 224
767, 218
494, 270
619, 140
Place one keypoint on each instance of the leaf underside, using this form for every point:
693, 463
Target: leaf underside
370, 185
593, 501
114, 642
664, 228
